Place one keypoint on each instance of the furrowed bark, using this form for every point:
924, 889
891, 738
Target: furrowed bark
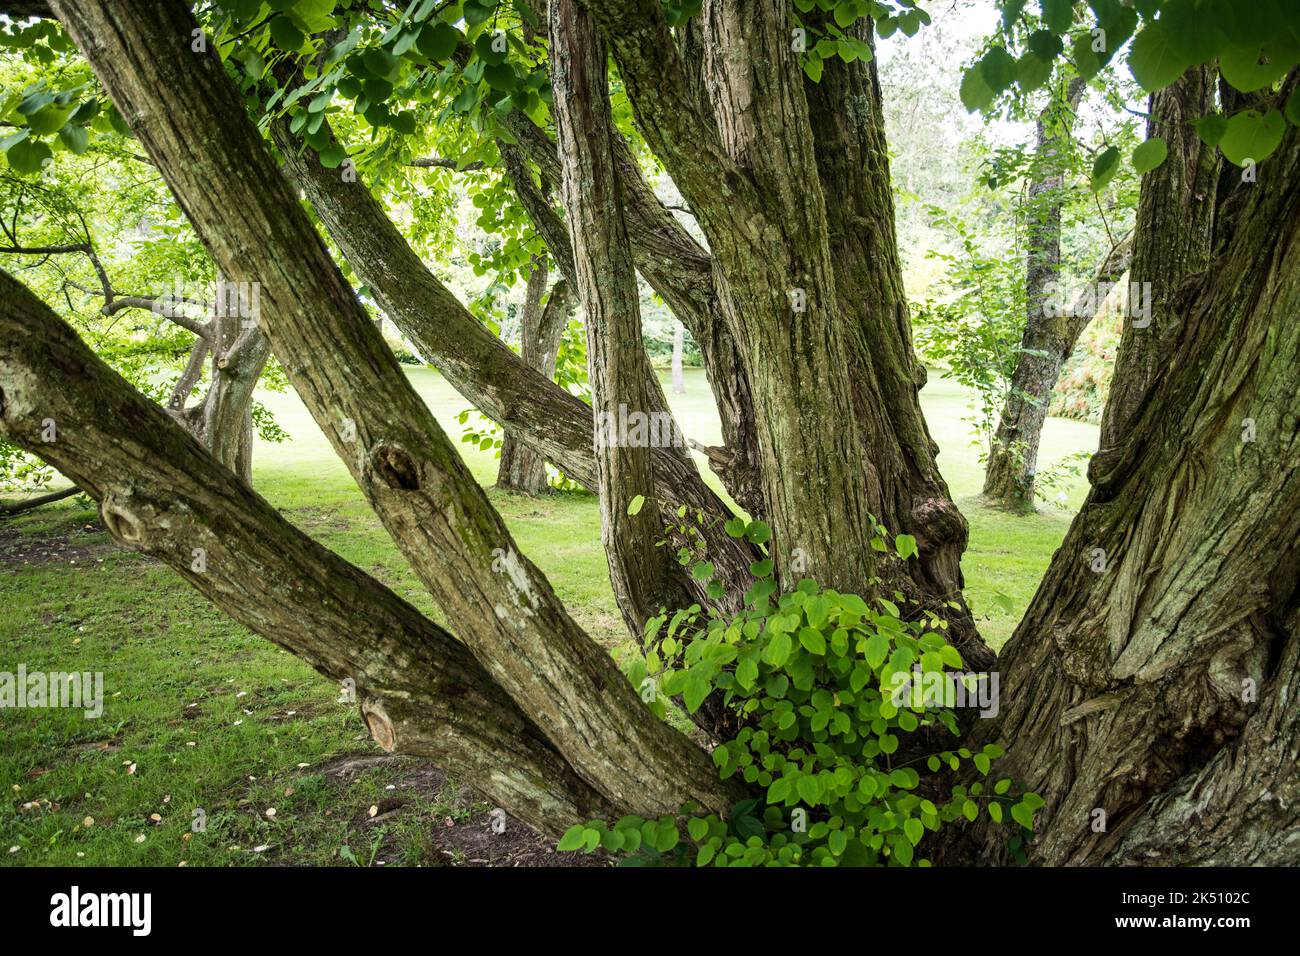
1178, 197
749, 173
162, 493
906, 491
1149, 691
644, 574
555, 424
188, 115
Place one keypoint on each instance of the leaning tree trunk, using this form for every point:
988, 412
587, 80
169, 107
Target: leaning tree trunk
1149, 693
1046, 343
522, 470
161, 492
190, 118
556, 424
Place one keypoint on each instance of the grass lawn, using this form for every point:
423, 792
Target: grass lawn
203, 720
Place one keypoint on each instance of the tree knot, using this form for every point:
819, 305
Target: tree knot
122, 518
395, 467
381, 727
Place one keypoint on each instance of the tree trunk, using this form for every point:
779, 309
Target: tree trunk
1046, 342
1150, 690
906, 492
541, 328
679, 343
190, 118
161, 492
645, 575
557, 425
749, 173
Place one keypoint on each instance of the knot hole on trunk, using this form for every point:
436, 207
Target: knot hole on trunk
381, 728
395, 467
121, 522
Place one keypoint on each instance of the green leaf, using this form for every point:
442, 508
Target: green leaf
696, 690
1251, 136
698, 828
702, 571
812, 640
975, 93
1154, 61
995, 811
746, 673
1058, 15
285, 34
1022, 815
76, 138
970, 810
914, 830
905, 545
28, 156
813, 65
573, 838
634, 506
901, 849
877, 649
1292, 109
809, 790
1002, 786
1251, 68
1149, 155
437, 41
758, 532
1210, 128
778, 649
1104, 167
998, 67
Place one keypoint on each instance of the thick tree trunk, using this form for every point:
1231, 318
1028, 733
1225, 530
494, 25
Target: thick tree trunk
748, 172
160, 492
541, 327
906, 491
645, 575
190, 118
1046, 342
1149, 693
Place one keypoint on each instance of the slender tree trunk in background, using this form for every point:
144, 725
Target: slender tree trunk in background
1149, 693
679, 344
177, 102
239, 353
522, 470
1046, 343
1022, 419
643, 573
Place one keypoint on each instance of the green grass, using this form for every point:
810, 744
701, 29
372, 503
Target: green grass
199, 713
